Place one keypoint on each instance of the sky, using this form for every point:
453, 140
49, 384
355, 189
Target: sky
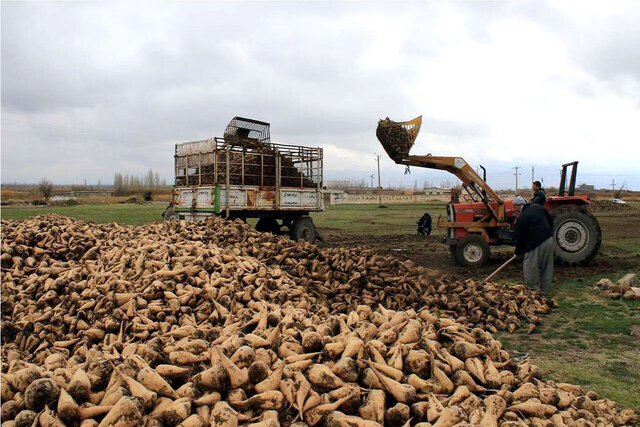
93, 88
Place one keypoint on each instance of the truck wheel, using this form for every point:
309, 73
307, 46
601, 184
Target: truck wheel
472, 251
577, 235
303, 229
170, 214
267, 225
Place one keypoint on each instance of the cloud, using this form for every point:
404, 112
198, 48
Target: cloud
89, 89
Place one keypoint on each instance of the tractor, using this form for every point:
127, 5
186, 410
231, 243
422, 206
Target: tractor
485, 219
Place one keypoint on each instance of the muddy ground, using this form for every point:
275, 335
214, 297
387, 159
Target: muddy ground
620, 250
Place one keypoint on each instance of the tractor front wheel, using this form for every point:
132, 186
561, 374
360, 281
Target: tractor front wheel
472, 251
577, 235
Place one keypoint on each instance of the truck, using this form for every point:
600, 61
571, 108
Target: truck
244, 175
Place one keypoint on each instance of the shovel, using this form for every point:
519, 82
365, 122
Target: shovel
499, 269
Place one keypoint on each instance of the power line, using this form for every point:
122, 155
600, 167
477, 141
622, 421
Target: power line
379, 187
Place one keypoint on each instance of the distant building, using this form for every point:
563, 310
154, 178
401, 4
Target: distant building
333, 197
436, 191
586, 187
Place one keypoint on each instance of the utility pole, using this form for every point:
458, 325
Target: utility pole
516, 174
613, 185
533, 168
379, 186
372, 176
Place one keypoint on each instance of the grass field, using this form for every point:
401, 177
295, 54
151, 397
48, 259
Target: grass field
588, 340
369, 219
120, 213
360, 219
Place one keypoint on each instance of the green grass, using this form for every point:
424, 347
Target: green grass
369, 219
620, 229
356, 219
588, 341
631, 245
120, 213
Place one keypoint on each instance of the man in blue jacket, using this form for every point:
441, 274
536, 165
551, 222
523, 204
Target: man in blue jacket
533, 237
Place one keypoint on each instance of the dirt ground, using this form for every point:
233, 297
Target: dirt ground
619, 251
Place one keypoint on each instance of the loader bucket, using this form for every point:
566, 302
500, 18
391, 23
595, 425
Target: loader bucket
397, 138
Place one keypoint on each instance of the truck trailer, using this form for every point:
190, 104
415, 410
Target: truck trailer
245, 175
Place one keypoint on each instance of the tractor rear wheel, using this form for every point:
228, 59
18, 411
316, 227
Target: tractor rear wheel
577, 235
472, 251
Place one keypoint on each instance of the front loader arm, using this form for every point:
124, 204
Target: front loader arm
465, 173
397, 138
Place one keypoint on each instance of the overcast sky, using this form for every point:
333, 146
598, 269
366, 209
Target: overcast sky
92, 88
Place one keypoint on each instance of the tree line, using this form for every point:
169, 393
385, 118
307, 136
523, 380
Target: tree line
125, 184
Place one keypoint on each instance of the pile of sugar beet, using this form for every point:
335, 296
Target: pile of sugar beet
196, 324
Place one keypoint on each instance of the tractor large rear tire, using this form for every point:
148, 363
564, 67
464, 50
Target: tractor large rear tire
472, 251
577, 235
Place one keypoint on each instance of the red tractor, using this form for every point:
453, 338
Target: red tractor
486, 220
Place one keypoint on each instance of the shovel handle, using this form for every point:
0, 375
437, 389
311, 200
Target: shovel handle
499, 269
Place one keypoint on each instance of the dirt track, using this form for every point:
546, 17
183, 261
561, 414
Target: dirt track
431, 252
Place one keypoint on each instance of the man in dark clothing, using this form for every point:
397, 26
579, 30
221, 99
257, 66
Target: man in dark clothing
424, 225
539, 196
533, 237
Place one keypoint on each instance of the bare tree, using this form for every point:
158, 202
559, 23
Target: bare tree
46, 188
118, 184
148, 180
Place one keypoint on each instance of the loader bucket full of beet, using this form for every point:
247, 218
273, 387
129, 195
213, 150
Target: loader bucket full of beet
397, 138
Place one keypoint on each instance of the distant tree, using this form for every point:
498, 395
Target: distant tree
118, 184
45, 188
148, 181
446, 184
